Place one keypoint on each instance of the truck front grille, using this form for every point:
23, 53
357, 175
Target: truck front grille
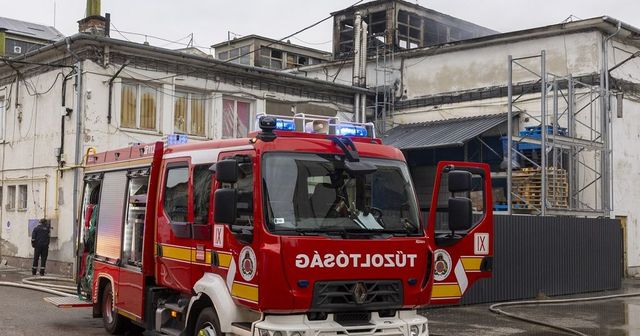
357, 295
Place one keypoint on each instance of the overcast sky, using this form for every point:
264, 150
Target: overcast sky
210, 20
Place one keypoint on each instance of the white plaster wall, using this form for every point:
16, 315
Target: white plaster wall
31, 142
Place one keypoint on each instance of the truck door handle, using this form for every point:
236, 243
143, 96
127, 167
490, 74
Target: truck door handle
215, 260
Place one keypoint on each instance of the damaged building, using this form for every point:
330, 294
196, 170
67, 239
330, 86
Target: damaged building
92, 92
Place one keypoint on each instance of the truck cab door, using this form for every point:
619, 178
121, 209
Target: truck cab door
461, 224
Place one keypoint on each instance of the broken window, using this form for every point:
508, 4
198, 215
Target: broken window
434, 32
240, 55
409, 30
270, 58
294, 60
377, 22
345, 45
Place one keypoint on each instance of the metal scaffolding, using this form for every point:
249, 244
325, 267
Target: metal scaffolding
574, 138
384, 86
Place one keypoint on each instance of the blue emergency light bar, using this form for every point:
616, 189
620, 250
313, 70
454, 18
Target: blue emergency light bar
176, 139
320, 125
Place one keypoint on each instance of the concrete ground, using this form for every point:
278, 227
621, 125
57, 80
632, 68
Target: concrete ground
23, 313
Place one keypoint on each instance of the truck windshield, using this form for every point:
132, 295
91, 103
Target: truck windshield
307, 194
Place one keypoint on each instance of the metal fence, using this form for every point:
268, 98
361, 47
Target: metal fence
551, 255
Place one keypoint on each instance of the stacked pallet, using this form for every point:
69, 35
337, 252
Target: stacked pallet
527, 184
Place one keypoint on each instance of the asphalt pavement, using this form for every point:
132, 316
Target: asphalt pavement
24, 313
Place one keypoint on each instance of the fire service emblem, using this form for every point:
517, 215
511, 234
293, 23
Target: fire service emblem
247, 263
442, 266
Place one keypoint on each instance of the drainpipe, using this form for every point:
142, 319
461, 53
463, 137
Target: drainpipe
607, 166
363, 69
356, 64
76, 171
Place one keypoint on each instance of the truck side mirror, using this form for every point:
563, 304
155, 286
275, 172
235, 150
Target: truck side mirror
459, 181
227, 171
225, 206
460, 214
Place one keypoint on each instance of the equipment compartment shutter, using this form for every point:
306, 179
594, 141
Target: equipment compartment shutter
110, 218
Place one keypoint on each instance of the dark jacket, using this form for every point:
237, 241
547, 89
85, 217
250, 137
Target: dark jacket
41, 236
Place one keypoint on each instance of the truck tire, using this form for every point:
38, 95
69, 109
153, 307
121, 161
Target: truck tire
114, 323
207, 323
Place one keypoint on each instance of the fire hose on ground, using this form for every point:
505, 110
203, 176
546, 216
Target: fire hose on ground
34, 283
495, 309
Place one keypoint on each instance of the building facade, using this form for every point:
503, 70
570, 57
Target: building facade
597, 58
268, 53
93, 92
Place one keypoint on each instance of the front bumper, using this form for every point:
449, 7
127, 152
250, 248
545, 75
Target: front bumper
299, 325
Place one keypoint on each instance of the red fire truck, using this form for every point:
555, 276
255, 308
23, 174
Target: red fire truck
310, 226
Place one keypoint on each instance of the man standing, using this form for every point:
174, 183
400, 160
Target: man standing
40, 242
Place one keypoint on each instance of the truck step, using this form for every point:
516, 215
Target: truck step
68, 302
169, 332
242, 325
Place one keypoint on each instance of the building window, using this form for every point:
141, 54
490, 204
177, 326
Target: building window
294, 60
270, 58
189, 113
139, 107
11, 197
236, 118
238, 55
22, 197
409, 30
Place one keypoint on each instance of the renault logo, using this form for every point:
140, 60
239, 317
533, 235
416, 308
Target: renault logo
360, 293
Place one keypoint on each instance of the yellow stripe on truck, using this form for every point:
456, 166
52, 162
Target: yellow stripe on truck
445, 290
243, 291
174, 252
471, 263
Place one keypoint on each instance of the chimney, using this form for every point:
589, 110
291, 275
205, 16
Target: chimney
93, 23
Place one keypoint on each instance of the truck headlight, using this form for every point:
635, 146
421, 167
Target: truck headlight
414, 330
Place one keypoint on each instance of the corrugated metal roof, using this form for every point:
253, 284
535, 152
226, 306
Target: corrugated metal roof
441, 133
29, 29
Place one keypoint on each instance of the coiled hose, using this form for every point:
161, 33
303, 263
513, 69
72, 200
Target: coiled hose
494, 308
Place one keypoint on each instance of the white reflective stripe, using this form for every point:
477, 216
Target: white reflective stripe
201, 156
231, 274
461, 276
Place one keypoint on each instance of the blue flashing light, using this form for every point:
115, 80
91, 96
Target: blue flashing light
352, 130
285, 125
176, 139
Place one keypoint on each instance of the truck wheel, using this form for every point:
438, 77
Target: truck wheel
207, 324
113, 322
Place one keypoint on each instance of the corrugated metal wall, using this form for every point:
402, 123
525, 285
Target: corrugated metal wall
551, 255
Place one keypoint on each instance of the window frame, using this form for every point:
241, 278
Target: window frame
158, 101
189, 112
3, 110
11, 197
23, 196
267, 60
235, 117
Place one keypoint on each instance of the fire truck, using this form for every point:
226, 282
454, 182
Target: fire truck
310, 226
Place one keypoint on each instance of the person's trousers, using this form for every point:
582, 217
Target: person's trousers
39, 253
